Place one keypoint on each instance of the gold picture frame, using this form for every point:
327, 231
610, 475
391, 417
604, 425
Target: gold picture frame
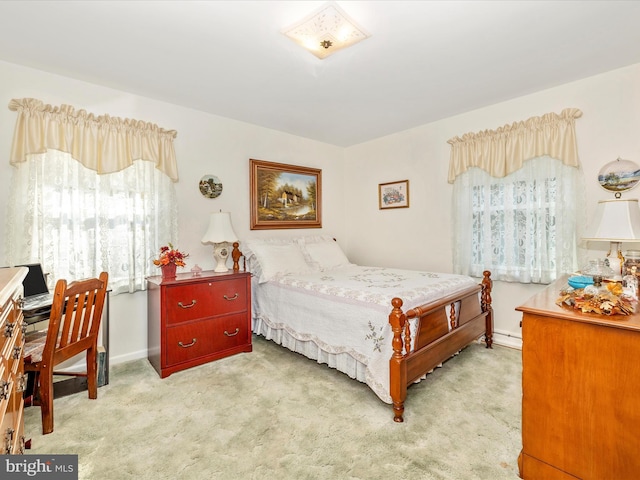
284, 196
393, 195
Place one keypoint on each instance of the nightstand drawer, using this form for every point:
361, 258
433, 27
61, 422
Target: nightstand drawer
230, 297
193, 302
197, 339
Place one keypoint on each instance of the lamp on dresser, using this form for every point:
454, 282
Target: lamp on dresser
616, 221
221, 234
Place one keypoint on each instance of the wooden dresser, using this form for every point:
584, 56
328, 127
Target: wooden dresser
580, 392
12, 379
194, 320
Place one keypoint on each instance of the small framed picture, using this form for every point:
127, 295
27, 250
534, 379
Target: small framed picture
393, 194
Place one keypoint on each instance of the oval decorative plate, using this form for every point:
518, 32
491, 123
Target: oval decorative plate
619, 176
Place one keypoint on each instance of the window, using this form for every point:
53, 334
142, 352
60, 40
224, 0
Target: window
522, 227
78, 223
90, 194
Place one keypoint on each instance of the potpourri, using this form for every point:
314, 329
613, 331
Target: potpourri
609, 301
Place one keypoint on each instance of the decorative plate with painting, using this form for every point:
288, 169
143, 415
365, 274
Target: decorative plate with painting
210, 186
619, 176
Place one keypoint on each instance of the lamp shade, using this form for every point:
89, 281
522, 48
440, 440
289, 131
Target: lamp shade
616, 221
220, 229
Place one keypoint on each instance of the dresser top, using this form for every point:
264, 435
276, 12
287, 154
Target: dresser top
207, 275
10, 279
544, 304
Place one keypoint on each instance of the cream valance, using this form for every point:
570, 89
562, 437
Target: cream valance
102, 143
503, 151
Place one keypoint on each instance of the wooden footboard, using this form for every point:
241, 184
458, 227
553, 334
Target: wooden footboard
437, 337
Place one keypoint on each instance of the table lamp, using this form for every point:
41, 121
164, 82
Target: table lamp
616, 221
221, 234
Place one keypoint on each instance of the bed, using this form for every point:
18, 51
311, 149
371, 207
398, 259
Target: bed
385, 327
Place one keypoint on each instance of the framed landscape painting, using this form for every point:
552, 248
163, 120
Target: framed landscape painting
284, 196
393, 195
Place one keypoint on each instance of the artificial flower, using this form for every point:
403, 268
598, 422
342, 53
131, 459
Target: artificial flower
168, 255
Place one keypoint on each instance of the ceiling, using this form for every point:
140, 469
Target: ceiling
425, 60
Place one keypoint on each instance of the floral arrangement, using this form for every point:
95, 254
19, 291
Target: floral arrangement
168, 255
608, 301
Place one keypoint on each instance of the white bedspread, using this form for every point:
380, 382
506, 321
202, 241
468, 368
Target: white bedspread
341, 317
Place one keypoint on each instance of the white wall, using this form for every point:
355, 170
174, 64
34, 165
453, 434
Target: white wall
205, 144
419, 237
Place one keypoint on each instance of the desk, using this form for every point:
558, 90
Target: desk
76, 384
580, 383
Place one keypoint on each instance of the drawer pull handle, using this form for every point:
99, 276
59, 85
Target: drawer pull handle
181, 305
232, 298
8, 440
22, 383
8, 330
193, 342
4, 389
232, 334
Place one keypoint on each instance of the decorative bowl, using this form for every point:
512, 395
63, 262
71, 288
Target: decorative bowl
580, 281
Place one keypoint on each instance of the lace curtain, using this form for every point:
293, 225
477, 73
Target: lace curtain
524, 227
517, 200
77, 222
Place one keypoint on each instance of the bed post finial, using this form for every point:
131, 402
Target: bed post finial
397, 367
235, 255
487, 285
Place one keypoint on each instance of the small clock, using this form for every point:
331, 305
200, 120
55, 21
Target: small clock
210, 186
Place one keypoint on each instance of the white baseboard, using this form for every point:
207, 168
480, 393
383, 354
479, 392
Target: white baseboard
129, 357
507, 339
80, 363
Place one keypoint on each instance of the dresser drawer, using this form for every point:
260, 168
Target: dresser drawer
202, 300
190, 341
7, 432
8, 324
11, 362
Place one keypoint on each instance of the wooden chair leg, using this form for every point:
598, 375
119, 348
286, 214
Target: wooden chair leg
92, 372
45, 389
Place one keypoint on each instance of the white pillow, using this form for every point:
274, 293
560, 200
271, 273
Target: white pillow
326, 255
275, 258
307, 239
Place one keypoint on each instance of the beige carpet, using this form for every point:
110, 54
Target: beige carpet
273, 414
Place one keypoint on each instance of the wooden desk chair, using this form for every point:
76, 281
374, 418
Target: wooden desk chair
73, 328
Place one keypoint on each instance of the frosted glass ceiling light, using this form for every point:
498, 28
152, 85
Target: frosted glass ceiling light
326, 31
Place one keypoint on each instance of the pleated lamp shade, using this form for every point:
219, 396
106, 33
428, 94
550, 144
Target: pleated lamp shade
221, 234
220, 229
616, 221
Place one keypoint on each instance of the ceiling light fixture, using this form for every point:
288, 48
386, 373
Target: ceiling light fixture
326, 31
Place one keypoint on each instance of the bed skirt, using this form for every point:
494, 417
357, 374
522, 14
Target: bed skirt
343, 362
